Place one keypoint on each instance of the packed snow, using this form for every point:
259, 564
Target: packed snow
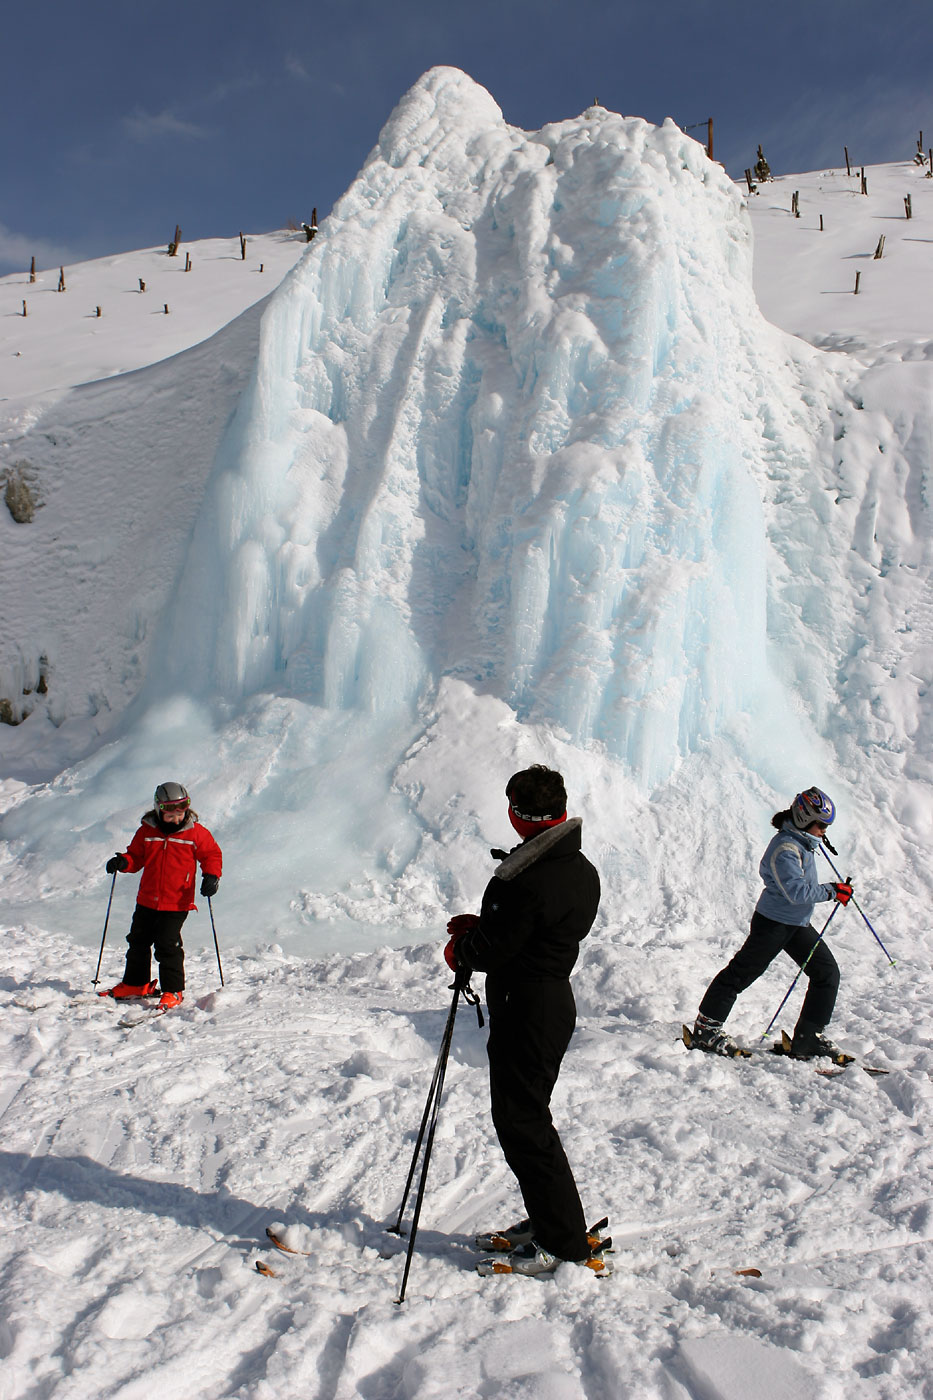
509, 467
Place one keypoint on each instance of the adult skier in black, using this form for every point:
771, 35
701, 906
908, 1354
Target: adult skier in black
781, 923
536, 909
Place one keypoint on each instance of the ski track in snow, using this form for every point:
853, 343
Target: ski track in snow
140, 1169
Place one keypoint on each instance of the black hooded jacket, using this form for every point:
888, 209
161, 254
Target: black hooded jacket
536, 910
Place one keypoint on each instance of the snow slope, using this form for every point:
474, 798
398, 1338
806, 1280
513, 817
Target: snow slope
512, 469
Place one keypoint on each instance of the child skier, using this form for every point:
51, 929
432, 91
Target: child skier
781, 923
168, 846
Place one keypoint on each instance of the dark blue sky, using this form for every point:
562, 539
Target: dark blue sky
120, 120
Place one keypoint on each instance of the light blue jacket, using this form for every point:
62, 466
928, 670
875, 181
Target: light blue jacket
788, 868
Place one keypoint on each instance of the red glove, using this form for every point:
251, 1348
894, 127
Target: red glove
843, 892
462, 923
457, 927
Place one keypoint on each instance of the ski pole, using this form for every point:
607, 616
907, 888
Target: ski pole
216, 945
765, 1032
854, 901
104, 934
461, 986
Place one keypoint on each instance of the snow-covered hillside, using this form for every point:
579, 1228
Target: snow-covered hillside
519, 467
552, 446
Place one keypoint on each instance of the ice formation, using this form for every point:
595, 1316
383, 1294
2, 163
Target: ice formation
511, 423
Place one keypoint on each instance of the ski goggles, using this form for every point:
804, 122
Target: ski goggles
180, 804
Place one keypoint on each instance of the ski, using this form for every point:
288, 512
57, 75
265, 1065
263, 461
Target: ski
740, 1053
782, 1047
501, 1243
149, 1013
834, 1068
263, 1268
500, 1264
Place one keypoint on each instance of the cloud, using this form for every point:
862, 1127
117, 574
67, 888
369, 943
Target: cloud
152, 126
221, 92
17, 250
296, 69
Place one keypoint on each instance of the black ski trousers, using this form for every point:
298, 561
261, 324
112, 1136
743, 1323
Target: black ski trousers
157, 930
530, 1025
765, 940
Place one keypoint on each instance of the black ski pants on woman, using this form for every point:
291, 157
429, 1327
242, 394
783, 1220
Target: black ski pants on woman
765, 940
158, 930
530, 1025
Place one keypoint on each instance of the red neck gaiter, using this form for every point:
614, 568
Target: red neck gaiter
528, 827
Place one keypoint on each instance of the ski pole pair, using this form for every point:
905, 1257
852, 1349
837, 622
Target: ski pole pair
107, 921
461, 987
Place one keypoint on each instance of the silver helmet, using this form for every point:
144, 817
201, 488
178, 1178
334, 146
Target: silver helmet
172, 796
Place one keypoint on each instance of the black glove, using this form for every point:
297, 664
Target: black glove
116, 863
209, 885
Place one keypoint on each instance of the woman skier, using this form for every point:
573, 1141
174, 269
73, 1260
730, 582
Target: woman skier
781, 923
167, 848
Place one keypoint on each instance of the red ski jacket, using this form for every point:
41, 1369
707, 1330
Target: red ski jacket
169, 859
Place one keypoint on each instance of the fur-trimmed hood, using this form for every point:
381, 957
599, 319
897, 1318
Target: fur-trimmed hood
528, 852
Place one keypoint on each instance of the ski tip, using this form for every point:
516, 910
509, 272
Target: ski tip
747, 1273
263, 1268
686, 1036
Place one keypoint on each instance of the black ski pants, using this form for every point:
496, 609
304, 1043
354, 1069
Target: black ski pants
530, 1026
765, 940
157, 930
